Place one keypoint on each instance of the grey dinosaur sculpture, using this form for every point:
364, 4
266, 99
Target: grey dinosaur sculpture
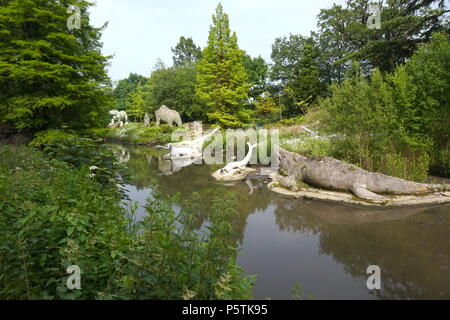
333, 174
168, 115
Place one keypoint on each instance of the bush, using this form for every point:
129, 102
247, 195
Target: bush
371, 122
79, 152
136, 133
50, 136
54, 215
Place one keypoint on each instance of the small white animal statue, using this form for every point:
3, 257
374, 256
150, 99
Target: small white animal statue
168, 115
233, 166
118, 116
146, 120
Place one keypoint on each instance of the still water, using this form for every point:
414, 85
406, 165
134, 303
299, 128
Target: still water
323, 246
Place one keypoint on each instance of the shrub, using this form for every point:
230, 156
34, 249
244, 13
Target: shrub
135, 133
372, 125
54, 215
79, 152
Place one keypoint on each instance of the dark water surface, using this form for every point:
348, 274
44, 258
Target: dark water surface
324, 246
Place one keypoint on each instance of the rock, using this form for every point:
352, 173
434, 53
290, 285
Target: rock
289, 182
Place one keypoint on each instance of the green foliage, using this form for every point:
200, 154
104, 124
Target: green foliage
54, 215
173, 87
221, 80
371, 121
404, 25
298, 69
78, 152
124, 91
135, 133
170, 261
49, 75
185, 52
50, 136
305, 144
257, 73
428, 71
267, 110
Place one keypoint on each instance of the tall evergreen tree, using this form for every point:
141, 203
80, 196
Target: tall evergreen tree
221, 80
50, 75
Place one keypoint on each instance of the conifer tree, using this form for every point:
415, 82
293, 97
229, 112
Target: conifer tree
50, 74
221, 79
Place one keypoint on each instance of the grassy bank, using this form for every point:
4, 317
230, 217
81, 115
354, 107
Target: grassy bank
61, 213
134, 133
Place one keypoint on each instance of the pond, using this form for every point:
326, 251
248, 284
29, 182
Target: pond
325, 247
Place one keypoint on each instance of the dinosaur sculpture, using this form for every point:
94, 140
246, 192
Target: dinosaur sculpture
231, 167
118, 116
168, 115
195, 143
334, 174
237, 170
187, 148
146, 120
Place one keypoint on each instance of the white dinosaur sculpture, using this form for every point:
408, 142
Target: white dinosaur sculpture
187, 148
118, 116
195, 143
233, 166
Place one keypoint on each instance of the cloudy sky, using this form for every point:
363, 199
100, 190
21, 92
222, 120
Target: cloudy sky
141, 31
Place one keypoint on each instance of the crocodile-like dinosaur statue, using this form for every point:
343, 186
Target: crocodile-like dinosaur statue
333, 174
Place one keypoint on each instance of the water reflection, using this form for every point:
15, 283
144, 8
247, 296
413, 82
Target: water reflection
325, 246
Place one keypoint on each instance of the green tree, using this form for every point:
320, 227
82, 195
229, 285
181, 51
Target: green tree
125, 88
298, 72
267, 110
404, 25
257, 73
429, 69
50, 75
221, 81
185, 52
173, 87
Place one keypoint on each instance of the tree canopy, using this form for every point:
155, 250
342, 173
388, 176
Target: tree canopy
50, 75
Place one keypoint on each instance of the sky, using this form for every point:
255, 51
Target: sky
141, 31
